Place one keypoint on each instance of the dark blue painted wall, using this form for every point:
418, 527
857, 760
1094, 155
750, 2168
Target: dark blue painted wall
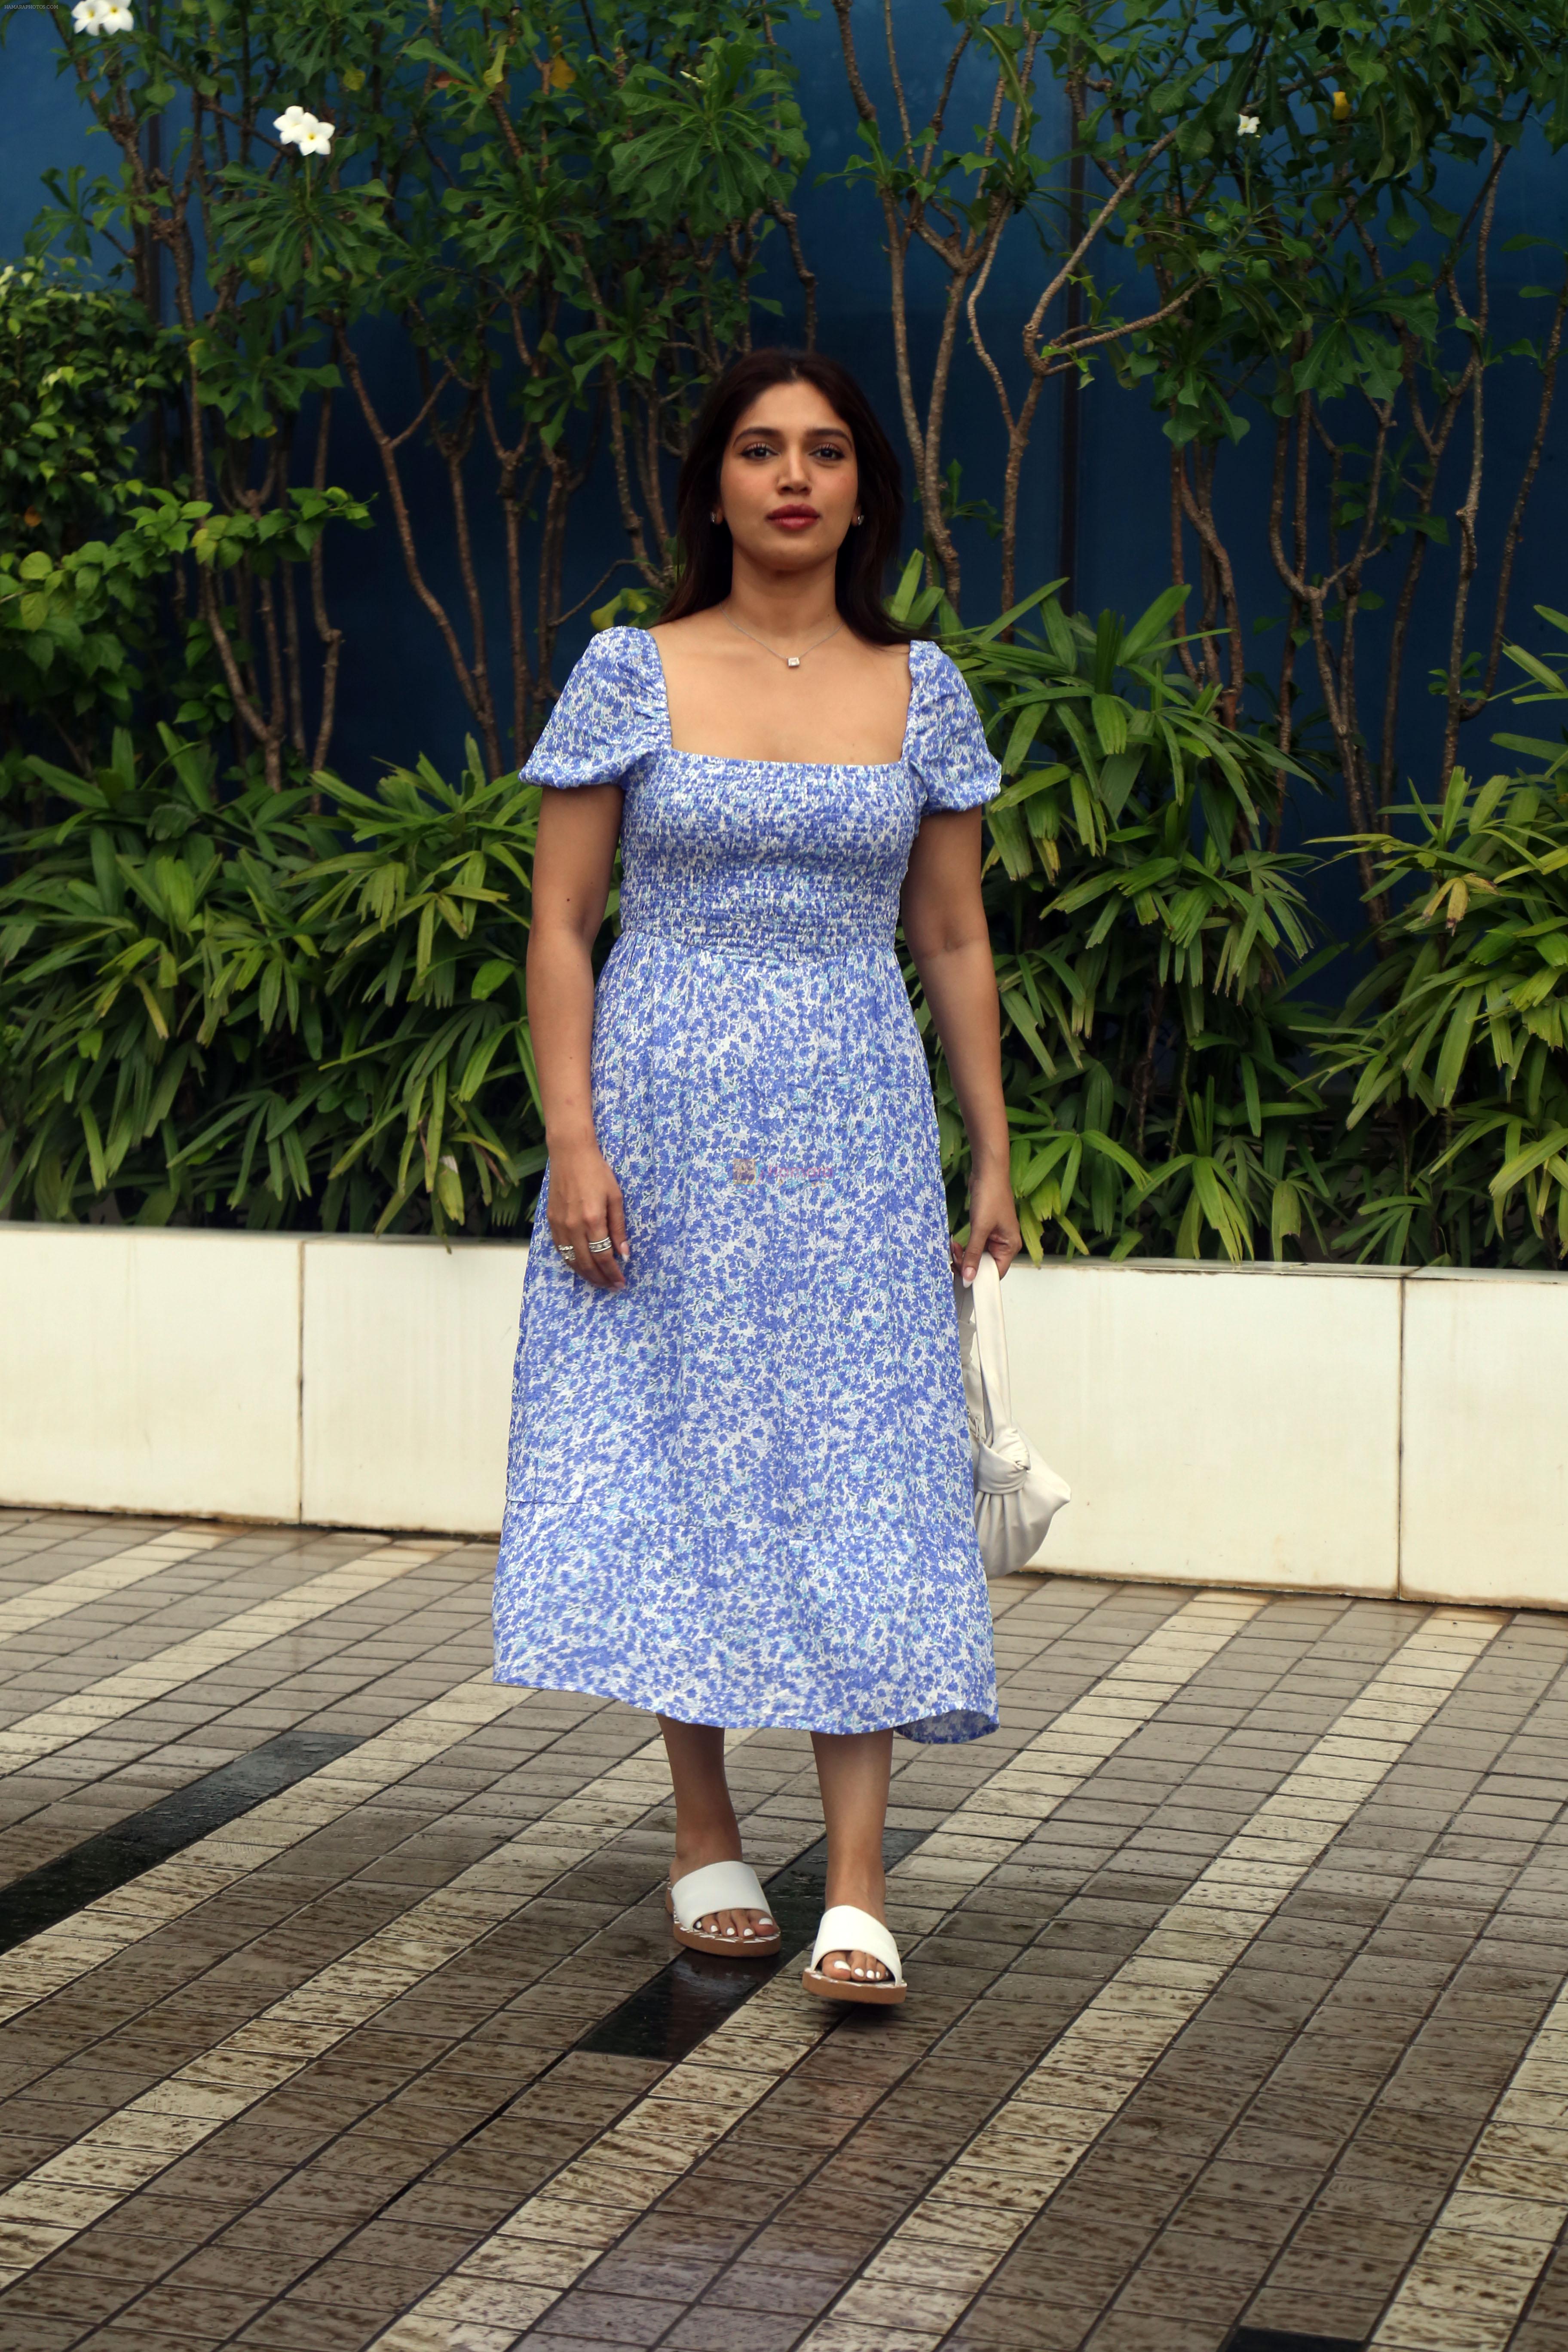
397, 696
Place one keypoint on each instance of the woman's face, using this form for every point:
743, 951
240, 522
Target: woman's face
788, 482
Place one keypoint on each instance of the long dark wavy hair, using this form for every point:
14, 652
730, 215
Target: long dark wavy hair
704, 551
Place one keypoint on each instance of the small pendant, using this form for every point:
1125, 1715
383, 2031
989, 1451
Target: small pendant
792, 661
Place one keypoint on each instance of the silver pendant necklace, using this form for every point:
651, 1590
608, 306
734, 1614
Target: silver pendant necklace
790, 661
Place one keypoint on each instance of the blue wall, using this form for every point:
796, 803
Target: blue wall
397, 698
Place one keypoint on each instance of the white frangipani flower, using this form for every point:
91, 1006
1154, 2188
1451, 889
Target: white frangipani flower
298, 127
101, 16
1247, 125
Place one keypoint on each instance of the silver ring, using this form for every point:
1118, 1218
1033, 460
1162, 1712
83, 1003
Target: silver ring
566, 1251
597, 1249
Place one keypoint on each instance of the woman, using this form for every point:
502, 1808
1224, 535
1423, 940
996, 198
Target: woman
740, 1488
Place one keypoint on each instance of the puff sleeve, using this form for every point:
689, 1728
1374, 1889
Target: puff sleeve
947, 750
610, 716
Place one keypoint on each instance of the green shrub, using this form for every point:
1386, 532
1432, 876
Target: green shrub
307, 1007
213, 1010
1456, 1124
534, 238
1149, 946
89, 641
83, 374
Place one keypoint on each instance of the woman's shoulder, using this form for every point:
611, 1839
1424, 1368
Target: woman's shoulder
619, 652
935, 668
939, 699
610, 712
619, 677
947, 746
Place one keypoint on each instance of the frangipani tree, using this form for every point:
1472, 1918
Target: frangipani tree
1359, 322
562, 213
1241, 210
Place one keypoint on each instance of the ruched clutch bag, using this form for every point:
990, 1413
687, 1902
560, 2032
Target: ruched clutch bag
1016, 1496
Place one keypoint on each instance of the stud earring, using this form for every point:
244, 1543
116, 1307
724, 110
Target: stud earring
857, 518
715, 516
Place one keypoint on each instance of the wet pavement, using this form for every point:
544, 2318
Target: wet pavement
338, 2006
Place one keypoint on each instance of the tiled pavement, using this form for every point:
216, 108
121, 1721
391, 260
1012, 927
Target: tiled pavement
1236, 1960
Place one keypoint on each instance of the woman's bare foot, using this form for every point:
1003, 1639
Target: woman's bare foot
853, 1768
743, 1927
867, 1889
706, 1830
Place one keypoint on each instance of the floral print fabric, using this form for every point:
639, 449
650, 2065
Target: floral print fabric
740, 1490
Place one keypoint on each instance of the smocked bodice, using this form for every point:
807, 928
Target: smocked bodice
800, 858
750, 854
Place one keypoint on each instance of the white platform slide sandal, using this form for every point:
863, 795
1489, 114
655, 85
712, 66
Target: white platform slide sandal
845, 1929
721, 1887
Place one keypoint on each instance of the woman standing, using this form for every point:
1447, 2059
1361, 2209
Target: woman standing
740, 1490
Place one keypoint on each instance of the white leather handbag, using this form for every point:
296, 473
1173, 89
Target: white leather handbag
1016, 1496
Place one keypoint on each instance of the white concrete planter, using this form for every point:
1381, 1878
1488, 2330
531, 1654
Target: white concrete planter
1347, 1431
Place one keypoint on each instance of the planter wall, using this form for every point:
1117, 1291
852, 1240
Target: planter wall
1322, 1430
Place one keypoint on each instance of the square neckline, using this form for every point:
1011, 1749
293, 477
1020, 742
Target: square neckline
825, 767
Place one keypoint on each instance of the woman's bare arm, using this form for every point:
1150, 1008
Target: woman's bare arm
945, 923
573, 859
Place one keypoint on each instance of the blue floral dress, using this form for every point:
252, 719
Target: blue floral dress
740, 1490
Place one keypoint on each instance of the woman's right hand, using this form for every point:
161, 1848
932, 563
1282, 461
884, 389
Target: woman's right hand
585, 1205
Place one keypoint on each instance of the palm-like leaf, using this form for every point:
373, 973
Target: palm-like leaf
1454, 1048
1147, 941
248, 1009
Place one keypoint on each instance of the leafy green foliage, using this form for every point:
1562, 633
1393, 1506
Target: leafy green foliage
83, 633
258, 995
308, 1010
557, 217
1457, 1042
82, 378
1270, 219
422, 930
213, 1010
1331, 277
81, 371
232, 988
1148, 945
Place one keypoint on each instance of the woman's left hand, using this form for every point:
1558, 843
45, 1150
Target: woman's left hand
992, 1223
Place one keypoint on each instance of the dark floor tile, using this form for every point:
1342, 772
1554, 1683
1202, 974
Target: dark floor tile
789, 2290
629, 2270
90, 2297
1190, 2275
591, 2317
298, 2327
120, 2337
1311, 2118
1000, 2323
195, 2310
706, 2329
1083, 2259
1128, 2331
1325, 2312
1277, 2339
1534, 2335
26, 2331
